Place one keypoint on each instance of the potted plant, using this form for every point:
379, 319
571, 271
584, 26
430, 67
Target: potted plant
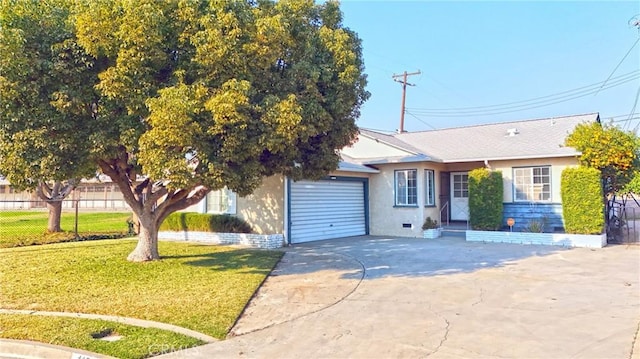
431, 229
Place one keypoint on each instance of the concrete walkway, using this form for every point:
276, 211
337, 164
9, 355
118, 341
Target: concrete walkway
373, 297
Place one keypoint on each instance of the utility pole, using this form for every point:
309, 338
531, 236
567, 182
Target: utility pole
404, 83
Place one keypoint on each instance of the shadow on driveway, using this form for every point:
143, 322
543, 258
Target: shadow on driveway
417, 257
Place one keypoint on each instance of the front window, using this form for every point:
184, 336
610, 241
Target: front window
430, 188
406, 187
532, 184
222, 201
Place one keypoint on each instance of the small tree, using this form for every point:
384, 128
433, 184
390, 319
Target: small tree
608, 149
485, 199
43, 125
582, 201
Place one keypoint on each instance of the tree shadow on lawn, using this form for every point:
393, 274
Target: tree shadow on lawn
409, 257
58, 246
251, 260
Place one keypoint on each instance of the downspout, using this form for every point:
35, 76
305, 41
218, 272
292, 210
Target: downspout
287, 211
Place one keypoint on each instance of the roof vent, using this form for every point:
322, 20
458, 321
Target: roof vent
512, 132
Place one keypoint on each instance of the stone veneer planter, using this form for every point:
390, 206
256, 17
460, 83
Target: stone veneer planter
432, 233
265, 241
555, 239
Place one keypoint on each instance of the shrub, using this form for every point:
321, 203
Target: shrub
429, 224
536, 226
199, 222
485, 199
582, 201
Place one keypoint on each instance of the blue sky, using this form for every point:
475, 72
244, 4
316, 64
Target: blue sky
478, 53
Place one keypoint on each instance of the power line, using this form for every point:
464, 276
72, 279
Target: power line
630, 74
419, 119
633, 109
633, 75
618, 65
495, 110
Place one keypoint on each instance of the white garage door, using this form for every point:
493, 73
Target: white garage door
326, 210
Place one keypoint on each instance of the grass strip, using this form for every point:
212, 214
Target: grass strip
24, 228
135, 342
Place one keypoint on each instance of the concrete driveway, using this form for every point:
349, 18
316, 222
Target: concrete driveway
373, 297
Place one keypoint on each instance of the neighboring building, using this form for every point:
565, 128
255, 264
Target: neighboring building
388, 184
94, 194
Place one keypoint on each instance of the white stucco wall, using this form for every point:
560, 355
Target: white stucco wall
387, 219
264, 208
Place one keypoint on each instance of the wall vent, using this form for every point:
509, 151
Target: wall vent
407, 225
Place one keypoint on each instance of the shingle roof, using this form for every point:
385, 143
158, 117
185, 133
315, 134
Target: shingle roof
542, 138
390, 140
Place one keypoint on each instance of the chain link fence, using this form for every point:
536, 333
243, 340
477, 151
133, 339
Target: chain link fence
25, 222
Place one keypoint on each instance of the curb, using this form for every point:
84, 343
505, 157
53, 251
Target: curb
25, 349
123, 320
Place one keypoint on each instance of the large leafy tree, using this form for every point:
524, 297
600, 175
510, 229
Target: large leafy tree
45, 106
193, 96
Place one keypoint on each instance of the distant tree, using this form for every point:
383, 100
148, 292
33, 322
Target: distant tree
44, 116
199, 95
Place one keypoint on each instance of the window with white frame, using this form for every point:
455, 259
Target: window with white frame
430, 188
222, 201
406, 187
532, 184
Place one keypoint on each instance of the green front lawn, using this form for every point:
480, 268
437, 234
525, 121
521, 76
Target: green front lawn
200, 287
20, 228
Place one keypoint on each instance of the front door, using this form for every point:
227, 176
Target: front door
459, 196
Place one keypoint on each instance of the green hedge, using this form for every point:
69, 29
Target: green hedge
582, 201
198, 222
485, 199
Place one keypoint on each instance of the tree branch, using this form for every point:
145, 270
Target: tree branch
44, 187
40, 192
55, 191
153, 197
181, 201
122, 180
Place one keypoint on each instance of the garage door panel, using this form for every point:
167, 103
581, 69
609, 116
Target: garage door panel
326, 210
314, 209
344, 221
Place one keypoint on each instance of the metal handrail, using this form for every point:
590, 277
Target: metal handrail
446, 206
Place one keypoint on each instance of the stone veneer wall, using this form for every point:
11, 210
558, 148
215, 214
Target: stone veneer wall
556, 239
265, 241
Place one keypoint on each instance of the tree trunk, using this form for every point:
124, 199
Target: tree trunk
147, 247
136, 223
55, 213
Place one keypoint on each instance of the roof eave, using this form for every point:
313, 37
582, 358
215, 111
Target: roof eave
510, 158
392, 160
389, 144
